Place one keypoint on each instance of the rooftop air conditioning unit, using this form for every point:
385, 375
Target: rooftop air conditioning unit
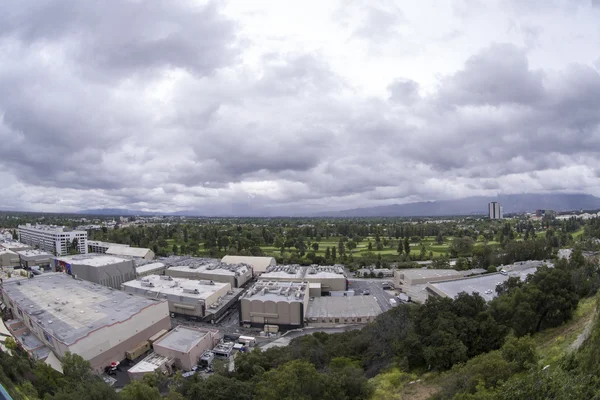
147, 284
194, 291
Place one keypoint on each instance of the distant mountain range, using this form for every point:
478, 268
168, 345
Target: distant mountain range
476, 205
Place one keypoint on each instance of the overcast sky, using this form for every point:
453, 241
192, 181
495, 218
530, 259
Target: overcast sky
230, 106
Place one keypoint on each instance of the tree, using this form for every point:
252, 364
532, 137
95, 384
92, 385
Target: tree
74, 248
175, 249
327, 253
139, 390
351, 245
406, 246
462, 246
341, 248
400, 248
315, 246
333, 253
296, 379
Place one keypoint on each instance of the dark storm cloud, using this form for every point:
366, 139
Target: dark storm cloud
497, 75
125, 37
107, 104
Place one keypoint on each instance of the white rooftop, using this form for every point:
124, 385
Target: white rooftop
183, 338
121, 250
180, 287
93, 260
150, 363
217, 268
33, 253
50, 228
71, 309
423, 273
295, 271
343, 307
277, 291
11, 244
7, 251
149, 267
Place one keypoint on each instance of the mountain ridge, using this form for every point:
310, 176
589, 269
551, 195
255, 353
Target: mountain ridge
474, 205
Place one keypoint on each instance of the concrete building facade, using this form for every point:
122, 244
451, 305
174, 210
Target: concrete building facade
258, 264
330, 310
96, 246
151, 268
186, 297
36, 258
494, 210
9, 258
136, 253
275, 303
236, 275
331, 278
54, 239
102, 269
186, 345
55, 313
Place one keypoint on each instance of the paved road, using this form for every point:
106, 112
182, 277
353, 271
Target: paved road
375, 287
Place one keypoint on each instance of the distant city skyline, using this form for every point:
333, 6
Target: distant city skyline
235, 107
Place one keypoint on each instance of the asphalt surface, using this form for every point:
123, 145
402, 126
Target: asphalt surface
375, 287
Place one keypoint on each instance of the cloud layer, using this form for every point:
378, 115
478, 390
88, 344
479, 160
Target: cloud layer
176, 105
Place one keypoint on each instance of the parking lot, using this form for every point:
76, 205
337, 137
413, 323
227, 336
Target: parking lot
375, 288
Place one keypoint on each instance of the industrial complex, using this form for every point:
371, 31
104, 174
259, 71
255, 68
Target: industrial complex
188, 298
103, 269
54, 239
329, 278
278, 303
56, 313
237, 275
258, 264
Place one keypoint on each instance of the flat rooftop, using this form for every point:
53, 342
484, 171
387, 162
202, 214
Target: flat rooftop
426, 273
13, 245
71, 308
183, 339
277, 291
211, 267
49, 228
301, 272
149, 267
34, 253
150, 363
179, 287
121, 250
93, 260
343, 307
104, 244
479, 284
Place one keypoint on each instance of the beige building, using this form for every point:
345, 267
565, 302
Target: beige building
55, 313
420, 276
33, 258
237, 275
136, 253
8, 258
151, 268
329, 310
330, 278
13, 245
185, 345
258, 264
54, 239
96, 246
275, 303
186, 297
104, 269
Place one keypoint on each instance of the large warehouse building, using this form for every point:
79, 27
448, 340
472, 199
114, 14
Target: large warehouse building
103, 269
334, 310
55, 313
258, 264
418, 276
185, 345
36, 258
275, 303
9, 258
191, 298
330, 278
96, 246
136, 253
54, 239
236, 275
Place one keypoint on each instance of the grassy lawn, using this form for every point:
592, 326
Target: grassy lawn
577, 234
554, 343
